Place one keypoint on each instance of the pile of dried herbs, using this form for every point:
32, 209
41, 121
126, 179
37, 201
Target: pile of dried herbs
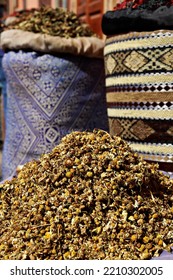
55, 22
92, 197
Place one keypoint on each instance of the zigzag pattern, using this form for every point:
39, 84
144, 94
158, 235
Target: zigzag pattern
151, 60
139, 89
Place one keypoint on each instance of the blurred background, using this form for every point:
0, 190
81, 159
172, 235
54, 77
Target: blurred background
90, 11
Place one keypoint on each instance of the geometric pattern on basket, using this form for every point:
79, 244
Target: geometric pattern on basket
142, 130
142, 105
139, 91
147, 139
139, 61
149, 87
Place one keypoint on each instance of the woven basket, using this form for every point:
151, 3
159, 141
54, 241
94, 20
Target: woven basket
139, 92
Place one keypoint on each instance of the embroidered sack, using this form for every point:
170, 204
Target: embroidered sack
50, 95
2, 97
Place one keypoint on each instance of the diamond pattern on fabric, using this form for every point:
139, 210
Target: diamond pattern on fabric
135, 60
48, 97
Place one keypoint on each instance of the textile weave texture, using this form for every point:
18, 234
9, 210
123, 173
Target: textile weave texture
48, 97
2, 81
139, 92
1, 70
2, 98
2, 75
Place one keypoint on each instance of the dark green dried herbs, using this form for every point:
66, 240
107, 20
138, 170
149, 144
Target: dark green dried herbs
55, 22
92, 197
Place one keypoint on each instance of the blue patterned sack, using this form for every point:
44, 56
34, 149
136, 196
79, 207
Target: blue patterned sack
1, 70
2, 96
47, 97
2, 75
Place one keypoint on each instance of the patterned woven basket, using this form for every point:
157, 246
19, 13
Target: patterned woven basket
139, 91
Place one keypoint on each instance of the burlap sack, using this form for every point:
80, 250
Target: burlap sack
23, 40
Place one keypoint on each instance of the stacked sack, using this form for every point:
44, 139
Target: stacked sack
55, 83
139, 77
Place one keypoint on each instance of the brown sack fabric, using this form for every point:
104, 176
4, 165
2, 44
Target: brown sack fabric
23, 40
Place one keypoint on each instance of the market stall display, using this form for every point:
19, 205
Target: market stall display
55, 84
91, 197
54, 22
139, 77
